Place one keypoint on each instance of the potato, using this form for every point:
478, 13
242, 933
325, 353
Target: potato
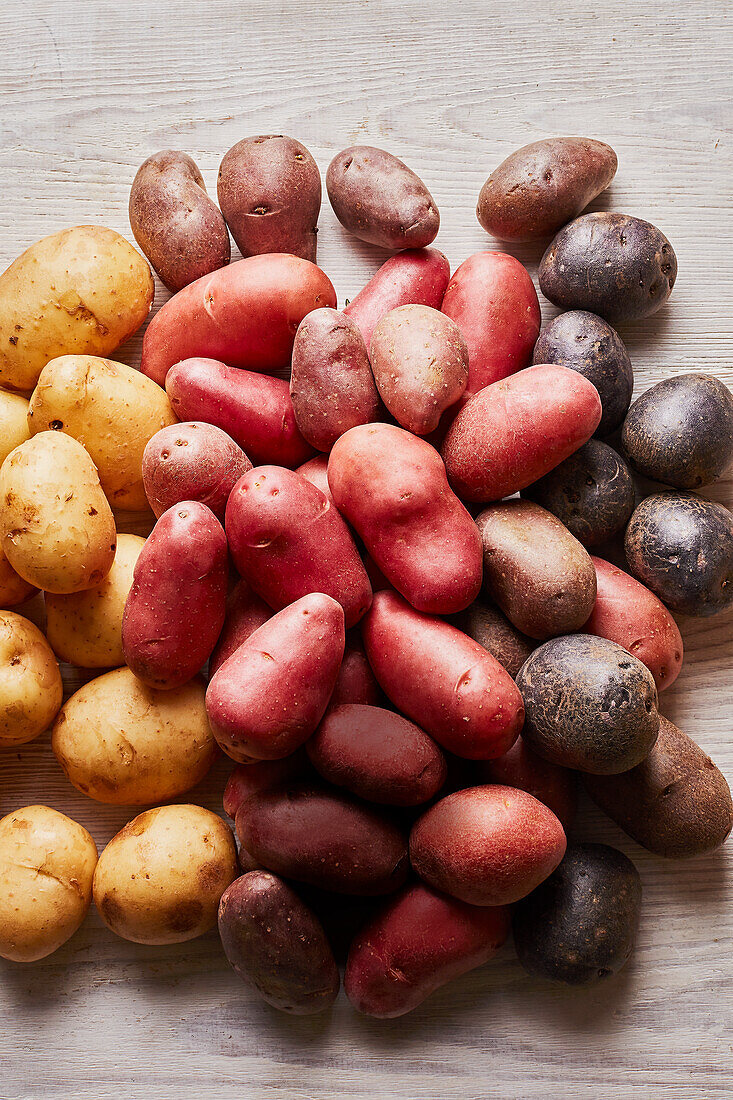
580, 925
485, 623
449, 685
675, 803
192, 461
247, 780
178, 227
331, 383
489, 845
270, 695
587, 344
377, 755
538, 573
46, 866
322, 837
315, 470
589, 705
680, 431
380, 200
126, 744
13, 422
492, 299
617, 266
85, 628
681, 547
159, 880
392, 488
420, 364
416, 944
175, 609
253, 409
245, 314
30, 682
277, 944
287, 540
56, 527
521, 767
542, 186
111, 409
13, 589
269, 191
81, 290
245, 613
355, 682
517, 430
417, 276
629, 614
591, 493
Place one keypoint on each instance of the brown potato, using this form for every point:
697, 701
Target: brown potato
30, 682
178, 227
542, 186
269, 191
538, 573
486, 624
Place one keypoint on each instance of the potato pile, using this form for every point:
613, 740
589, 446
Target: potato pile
387, 588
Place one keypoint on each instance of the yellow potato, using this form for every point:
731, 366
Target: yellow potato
56, 526
13, 422
85, 628
81, 290
119, 741
13, 589
47, 864
160, 879
30, 682
111, 409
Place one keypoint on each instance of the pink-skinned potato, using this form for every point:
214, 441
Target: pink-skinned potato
521, 767
488, 845
287, 540
416, 276
254, 409
268, 697
447, 683
417, 943
315, 470
175, 609
515, 431
492, 299
245, 613
355, 682
627, 613
192, 461
245, 314
391, 487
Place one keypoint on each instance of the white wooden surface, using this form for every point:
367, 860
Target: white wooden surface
86, 92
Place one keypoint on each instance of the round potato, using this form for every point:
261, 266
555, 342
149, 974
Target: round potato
160, 879
111, 409
124, 743
85, 628
178, 227
81, 290
46, 866
13, 422
192, 461
13, 589
56, 526
30, 682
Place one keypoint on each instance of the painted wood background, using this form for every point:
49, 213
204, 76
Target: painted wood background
87, 91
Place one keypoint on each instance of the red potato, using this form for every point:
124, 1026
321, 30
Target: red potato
245, 314
442, 679
245, 613
270, 695
629, 614
391, 487
417, 275
331, 383
517, 430
492, 299
416, 944
247, 780
175, 608
377, 755
287, 540
192, 461
355, 682
521, 767
315, 470
254, 409
487, 845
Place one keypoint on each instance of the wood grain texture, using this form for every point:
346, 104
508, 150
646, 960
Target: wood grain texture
88, 91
